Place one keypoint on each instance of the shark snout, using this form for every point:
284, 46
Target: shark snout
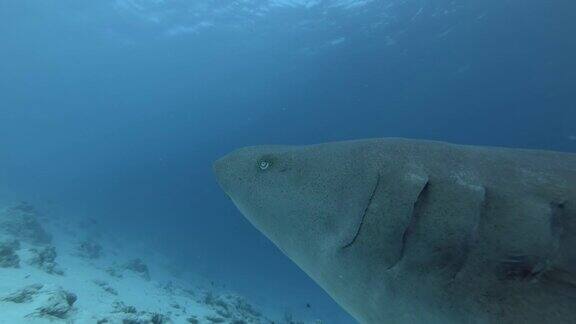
223, 170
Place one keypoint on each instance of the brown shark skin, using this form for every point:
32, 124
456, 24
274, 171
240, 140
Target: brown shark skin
412, 231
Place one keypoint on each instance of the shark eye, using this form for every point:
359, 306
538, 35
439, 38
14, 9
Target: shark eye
263, 165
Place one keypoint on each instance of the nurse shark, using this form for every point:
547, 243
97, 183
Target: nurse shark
412, 231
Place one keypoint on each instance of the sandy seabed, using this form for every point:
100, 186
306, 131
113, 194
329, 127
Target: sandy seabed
53, 271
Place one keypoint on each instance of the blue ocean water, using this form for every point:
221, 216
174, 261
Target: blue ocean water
116, 109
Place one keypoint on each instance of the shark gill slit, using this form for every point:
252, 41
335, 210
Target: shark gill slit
415, 216
557, 221
557, 228
473, 237
521, 267
364, 213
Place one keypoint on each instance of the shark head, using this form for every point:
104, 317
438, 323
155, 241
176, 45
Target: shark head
322, 205
308, 200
